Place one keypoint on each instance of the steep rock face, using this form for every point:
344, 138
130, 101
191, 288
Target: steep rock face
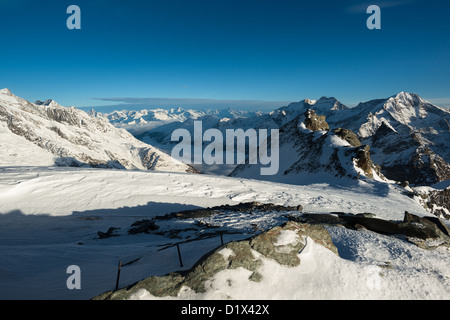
348, 136
308, 147
408, 136
364, 162
436, 201
76, 139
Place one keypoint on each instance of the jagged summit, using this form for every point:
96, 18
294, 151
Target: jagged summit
324, 105
407, 96
5, 91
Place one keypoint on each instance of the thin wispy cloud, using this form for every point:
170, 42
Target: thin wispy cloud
194, 103
441, 102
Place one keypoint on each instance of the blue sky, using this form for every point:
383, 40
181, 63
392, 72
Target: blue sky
266, 51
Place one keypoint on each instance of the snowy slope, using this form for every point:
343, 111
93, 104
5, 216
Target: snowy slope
17, 150
71, 137
50, 218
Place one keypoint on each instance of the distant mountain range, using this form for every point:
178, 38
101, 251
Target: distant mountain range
141, 121
402, 138
407, 136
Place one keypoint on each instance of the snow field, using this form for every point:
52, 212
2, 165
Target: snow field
50, 218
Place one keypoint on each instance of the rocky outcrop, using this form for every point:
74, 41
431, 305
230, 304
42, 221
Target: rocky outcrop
435, 201
248, 254
439, 203
245, 207
365, 163
315, 122
108, 234
426, 232
143, 226
349, 136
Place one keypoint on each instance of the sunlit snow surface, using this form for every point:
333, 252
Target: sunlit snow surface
50, 218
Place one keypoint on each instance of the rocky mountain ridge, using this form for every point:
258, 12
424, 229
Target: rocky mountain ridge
309, 147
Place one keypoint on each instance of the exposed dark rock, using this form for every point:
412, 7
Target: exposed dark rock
364, 161
424, 168
349, 136
438, 202
143, 226
107, 234
430, 227
412, 226
247, 207
327, 219
315, 122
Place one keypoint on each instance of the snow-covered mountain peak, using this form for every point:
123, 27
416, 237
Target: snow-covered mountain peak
405, 100
309, 101
313, 121
324, 106
329, 103
408, 135
6, 91
10, 99
407, 97
410, 109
